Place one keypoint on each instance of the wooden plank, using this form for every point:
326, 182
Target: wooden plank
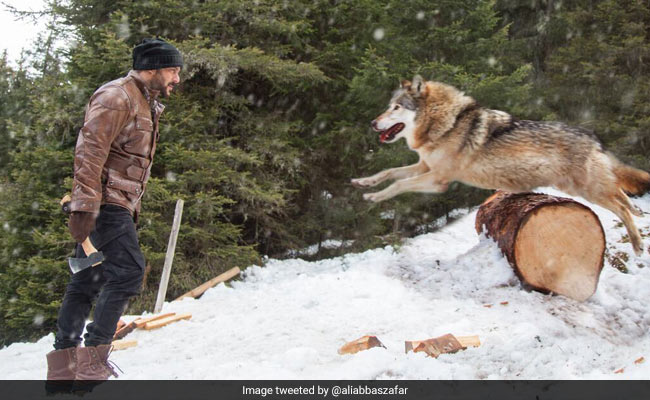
124, 344
166, 321
469, 341
140, 322
169, 257
125, 330
199, 290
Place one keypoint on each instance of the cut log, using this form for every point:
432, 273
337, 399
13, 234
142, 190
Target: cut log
363, 343
165, 321
199, 290
123, 344
554, 244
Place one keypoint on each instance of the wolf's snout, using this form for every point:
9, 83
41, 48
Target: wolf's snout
374, 125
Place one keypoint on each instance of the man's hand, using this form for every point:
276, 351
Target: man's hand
81, 224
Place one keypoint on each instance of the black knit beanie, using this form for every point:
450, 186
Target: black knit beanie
156, 54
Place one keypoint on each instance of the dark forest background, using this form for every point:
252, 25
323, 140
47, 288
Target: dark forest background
271, 121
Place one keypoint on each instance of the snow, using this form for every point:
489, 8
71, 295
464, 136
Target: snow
287, 319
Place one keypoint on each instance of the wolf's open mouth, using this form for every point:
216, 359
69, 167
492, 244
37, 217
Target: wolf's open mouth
390, 133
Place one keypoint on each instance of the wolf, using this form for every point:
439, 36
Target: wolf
459, 140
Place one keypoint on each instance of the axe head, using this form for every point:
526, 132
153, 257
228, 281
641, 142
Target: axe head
79, 264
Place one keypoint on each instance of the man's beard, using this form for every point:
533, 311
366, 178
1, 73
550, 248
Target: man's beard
157, 83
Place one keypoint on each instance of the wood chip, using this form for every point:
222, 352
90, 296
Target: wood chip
469, 341
619, 371
363, 343
639, 360
487, 305
434, 347
504, 303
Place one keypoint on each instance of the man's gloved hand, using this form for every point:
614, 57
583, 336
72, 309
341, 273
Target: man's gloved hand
81, 223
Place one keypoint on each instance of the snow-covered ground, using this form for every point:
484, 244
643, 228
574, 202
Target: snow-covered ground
287, 319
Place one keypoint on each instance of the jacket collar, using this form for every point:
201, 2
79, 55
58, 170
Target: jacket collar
149, 94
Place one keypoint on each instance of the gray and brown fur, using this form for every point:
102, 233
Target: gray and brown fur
458, 140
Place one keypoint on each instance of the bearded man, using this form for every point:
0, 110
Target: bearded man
113, 158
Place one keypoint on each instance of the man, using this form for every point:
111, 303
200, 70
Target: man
112, 164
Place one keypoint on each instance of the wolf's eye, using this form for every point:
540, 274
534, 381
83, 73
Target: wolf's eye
396, 107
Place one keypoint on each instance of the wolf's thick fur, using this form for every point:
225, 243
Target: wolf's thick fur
458, 140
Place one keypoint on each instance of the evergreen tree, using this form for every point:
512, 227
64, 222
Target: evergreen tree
600, 78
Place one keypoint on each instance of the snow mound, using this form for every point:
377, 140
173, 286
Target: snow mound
287, 319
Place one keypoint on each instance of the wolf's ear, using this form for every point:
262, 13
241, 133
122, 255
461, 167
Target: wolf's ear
405, 84
417, 85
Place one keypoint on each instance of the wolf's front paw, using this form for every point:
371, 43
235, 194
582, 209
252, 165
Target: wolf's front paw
374, 197
363, 182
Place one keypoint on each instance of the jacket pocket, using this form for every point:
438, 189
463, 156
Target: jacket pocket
121, 187
140, 138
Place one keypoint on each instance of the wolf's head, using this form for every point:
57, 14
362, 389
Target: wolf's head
399, 119
420, 110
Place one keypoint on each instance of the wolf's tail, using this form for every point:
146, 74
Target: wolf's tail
633, 181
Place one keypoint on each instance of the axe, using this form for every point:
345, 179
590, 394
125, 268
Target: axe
93, 256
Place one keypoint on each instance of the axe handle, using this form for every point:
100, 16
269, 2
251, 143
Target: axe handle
88, 247
65, 199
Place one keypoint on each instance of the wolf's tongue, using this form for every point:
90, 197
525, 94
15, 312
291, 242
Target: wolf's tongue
384, 135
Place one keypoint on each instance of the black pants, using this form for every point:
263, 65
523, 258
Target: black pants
112, 282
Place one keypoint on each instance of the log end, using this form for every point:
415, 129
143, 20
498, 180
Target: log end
560, 248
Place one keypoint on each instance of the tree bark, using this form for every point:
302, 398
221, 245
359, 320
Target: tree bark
554, 244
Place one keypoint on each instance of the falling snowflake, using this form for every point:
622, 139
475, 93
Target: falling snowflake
38, 319
379, 33
123, 29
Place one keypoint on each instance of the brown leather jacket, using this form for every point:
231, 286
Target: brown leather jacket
115, 147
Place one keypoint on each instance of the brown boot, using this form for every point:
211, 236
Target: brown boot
93, 364
62, 364
61, 370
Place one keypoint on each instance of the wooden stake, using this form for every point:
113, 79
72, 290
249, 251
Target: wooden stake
165, 321
169, 257
199, 290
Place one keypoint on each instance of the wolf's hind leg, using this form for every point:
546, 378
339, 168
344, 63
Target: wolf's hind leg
625, 201
615, 205
392, 174
425, 183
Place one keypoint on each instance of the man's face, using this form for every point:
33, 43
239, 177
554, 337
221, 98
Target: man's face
165, 79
